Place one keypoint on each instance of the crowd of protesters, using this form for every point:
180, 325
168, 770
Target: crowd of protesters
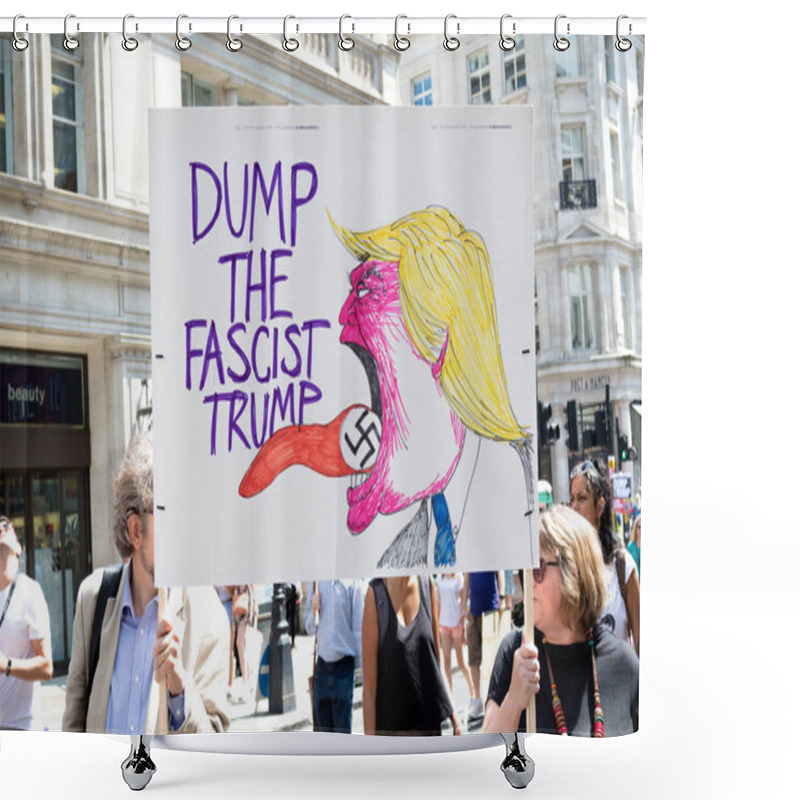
580, 672
586, 634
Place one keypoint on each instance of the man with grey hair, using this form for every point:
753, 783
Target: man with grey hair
113, 688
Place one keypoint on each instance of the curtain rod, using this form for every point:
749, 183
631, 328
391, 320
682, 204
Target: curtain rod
403, 25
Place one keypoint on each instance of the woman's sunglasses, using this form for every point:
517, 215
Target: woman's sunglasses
586, 468
539, 572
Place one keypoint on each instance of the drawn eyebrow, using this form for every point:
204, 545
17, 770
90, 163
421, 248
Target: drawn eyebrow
373, 270
367, 273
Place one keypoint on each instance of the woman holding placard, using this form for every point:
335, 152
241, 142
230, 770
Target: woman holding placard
586, 680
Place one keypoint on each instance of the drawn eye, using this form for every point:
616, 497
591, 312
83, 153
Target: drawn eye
362, 290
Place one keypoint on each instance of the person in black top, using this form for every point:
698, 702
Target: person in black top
404, 691
586, 680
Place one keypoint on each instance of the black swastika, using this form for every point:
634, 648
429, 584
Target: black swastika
365, 440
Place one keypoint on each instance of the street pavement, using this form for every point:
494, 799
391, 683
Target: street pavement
253, 715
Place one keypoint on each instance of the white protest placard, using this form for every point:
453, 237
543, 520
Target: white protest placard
622, 483
343, 342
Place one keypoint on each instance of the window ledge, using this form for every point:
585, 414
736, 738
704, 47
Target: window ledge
517, 96
34, 197
581, 354
570, 81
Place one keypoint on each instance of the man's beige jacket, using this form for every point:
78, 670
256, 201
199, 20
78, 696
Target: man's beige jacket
202, 626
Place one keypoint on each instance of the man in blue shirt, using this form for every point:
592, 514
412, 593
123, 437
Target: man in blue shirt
340, 605
187, 649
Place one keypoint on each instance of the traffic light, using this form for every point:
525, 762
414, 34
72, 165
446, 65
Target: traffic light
549, 431
541, 422
545, 411
572, 427
601, 429
624, 453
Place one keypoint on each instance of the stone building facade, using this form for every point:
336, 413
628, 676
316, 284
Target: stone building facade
74, 258
587, 110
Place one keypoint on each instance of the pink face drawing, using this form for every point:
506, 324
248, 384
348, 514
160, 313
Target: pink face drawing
422, 439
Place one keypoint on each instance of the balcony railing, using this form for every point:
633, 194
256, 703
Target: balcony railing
578, 194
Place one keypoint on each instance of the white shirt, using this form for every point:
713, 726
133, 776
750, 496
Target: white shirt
27, 619
449, 590
615, 616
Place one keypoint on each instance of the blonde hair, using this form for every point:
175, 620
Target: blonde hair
447, 298
636, 531
573, 543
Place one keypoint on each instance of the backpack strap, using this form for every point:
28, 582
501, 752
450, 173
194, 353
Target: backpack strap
9, 596
619, 557
112, 575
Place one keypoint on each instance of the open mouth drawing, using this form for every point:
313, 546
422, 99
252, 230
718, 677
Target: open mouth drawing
361, 432
349, 444
404, 446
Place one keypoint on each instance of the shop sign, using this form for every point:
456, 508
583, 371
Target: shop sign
42, 393
591, 383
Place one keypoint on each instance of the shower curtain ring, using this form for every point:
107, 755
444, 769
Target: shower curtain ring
401, 43
182, 42
129, 43
561, 44
345, 42
290, 44
622, 44
70, 42
233, 44
507, 42
20, 43
451, 43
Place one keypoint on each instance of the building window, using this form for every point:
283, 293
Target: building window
67, 92
480, 90
572, 159
580, 307
575, 190
196, 93
568, 62
611, 60
422, 90
616, 166
6, 127
625, 307
514, 68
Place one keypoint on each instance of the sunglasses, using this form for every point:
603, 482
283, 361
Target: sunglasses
539, 572
584, 468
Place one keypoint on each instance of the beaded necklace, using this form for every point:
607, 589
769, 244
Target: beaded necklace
599, 729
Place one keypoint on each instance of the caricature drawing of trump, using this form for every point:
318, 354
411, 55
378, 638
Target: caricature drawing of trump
421, 318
